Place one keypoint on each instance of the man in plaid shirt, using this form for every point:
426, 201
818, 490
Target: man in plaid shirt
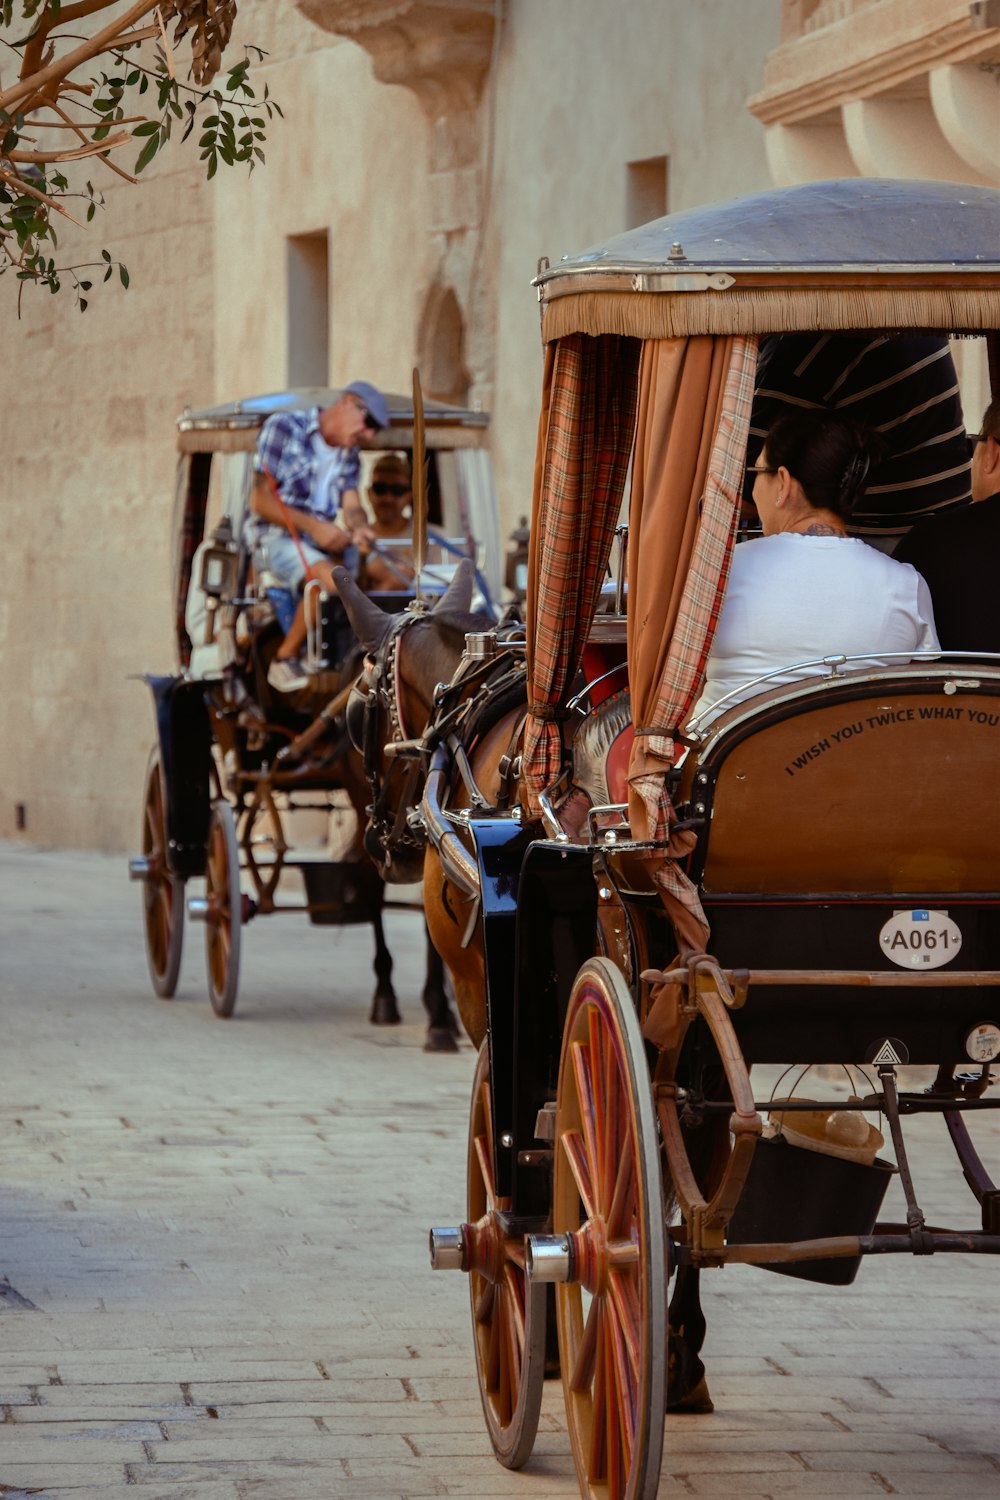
306, 504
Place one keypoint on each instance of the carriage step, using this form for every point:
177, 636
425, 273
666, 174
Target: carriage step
447, 1250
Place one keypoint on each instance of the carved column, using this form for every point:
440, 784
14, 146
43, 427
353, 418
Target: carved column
441, 50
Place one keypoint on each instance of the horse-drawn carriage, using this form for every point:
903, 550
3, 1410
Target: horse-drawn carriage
246, 784
812, 882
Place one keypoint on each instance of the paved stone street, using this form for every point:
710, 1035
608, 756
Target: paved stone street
213, 1269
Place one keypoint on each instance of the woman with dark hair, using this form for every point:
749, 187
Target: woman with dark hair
805, 589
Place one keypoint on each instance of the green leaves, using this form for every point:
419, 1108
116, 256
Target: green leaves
136, 97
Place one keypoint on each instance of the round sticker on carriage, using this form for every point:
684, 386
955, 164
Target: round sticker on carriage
920, 939
983, 1043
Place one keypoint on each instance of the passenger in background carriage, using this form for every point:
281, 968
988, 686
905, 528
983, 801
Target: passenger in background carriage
957, 552
805, 589
390, 500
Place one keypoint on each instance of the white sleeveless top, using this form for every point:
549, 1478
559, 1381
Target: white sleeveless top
794, 598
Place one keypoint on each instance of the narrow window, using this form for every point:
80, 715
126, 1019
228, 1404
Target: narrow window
308, 309
646, 190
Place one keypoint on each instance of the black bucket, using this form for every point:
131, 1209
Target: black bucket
795, 1194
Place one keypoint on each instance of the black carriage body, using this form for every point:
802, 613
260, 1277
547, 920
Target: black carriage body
539, 904
845, 1024
184, 733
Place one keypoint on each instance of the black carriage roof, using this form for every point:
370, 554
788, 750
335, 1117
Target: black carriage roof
222, 426
937, 237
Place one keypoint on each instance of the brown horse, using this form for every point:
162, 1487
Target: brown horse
411, 660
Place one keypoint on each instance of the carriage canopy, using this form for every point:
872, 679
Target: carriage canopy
657, 348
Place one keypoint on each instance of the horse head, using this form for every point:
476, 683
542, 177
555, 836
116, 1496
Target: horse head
407, 655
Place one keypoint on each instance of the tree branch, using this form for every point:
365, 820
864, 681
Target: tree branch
19, 184
72, 125
92, 148
10, 98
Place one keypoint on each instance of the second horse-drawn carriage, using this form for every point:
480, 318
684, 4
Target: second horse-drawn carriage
248, 786
639, 908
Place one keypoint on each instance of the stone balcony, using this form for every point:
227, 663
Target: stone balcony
438, 48
884, 88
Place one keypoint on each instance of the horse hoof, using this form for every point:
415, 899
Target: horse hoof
385, 1011
439, 1039
695, 1403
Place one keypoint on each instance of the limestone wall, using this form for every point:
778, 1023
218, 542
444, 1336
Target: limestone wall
85, 430
407, 200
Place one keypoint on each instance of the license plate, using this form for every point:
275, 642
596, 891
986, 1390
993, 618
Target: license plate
920, 939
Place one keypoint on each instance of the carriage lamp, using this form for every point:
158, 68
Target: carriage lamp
516, 574
219, 563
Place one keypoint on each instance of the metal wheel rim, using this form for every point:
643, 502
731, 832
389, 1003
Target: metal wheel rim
607, 1183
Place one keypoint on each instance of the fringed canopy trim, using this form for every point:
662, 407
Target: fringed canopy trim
658, 315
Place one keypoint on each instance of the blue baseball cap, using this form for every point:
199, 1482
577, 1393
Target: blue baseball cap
373, 399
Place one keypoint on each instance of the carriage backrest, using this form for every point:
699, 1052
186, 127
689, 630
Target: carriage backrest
880, 782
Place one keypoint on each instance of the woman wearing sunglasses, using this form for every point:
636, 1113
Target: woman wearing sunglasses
390, 500
806, 589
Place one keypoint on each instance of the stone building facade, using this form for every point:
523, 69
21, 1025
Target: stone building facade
432, 152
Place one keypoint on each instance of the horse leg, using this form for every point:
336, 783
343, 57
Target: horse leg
687, 1388
442, 1023
385, 1010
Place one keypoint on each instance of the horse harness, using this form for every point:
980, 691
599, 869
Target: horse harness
463, 709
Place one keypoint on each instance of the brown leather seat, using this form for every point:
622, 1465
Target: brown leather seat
873, 782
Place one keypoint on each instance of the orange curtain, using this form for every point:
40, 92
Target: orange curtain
585, 436
695, 397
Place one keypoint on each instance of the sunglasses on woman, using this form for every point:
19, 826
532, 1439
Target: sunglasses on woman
380, 487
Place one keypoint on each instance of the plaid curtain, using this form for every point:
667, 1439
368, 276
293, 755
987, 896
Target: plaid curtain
585, 439
694, 417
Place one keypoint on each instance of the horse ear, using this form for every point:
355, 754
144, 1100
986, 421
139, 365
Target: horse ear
371, 624
457, 597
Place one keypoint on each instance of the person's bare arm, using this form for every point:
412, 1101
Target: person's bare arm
326, 535
354, 516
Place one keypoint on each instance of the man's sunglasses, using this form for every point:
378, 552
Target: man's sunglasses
372, 423
755, 469
972, 438
381, 488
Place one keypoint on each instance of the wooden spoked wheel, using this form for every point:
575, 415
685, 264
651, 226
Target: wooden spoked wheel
162, 892
508, 1313
224, 916
607, 1198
